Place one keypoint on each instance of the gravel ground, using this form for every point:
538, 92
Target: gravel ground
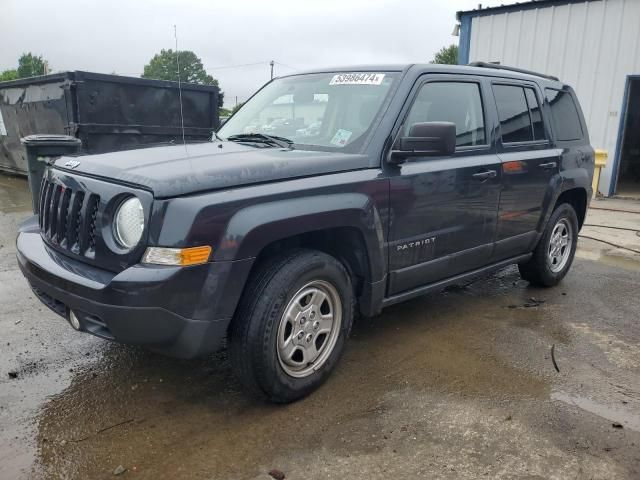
455, 385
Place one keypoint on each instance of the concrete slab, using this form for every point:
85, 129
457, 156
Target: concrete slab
612, 232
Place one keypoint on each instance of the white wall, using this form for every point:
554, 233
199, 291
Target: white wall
592, 46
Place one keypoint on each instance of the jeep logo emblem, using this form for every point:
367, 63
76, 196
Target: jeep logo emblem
72, 164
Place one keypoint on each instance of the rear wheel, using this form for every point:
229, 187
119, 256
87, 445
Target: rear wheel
554, 253
291, 325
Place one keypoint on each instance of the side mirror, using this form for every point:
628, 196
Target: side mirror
426, 139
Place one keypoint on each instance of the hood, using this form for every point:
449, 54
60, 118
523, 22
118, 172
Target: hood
175, 170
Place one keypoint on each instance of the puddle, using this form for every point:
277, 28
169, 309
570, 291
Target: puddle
14, 194
447, 343
608, 255
614, 414
190, 419
628, 261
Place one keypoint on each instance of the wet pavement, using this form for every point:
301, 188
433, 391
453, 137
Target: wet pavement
455, 385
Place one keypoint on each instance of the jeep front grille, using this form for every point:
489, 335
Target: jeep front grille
68, 218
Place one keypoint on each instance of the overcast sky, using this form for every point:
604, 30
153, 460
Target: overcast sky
122, 35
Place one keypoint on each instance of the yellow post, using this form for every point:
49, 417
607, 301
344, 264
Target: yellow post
601, 161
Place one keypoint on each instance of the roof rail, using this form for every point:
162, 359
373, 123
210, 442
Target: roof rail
497, 66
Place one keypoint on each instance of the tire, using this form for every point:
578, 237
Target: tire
551, 261
282, 317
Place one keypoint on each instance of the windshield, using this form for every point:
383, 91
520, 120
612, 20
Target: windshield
325, 111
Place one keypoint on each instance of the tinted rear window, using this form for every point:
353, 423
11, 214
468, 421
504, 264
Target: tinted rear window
536, 115
566, 122
515, 122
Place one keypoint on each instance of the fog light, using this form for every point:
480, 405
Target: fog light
74, 321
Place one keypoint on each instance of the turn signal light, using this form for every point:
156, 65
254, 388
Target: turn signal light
177, 256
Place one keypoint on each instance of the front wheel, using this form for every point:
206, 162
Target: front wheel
554, 253
291, 325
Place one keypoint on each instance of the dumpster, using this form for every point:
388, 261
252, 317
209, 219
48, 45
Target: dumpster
106, 112
41, 150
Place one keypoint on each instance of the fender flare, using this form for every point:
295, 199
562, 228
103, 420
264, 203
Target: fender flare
254, 227
573, 179
576, 178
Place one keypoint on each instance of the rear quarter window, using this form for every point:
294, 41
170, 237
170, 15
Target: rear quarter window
564, 115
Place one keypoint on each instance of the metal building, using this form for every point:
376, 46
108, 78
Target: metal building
593, 45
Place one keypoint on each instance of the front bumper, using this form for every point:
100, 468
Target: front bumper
179, 311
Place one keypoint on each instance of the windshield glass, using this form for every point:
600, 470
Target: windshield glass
325, 111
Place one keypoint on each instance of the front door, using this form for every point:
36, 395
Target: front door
444, 209
529, 168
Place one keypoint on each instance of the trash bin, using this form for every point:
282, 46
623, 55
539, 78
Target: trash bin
41, 149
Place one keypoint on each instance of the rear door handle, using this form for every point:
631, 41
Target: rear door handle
485, 175
549, 165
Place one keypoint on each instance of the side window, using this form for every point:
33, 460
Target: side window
566, 122
536, 114
513, 113
456, 102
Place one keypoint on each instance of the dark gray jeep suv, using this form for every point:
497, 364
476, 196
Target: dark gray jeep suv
327, 193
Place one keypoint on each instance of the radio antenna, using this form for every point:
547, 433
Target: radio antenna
175, 34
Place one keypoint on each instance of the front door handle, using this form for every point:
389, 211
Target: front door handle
485, 175
549, 165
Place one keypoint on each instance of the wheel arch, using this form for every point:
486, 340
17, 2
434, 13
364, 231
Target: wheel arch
346, 244
578, 199
346, 226
254, 228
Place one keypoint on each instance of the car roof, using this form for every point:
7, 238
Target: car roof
487, 70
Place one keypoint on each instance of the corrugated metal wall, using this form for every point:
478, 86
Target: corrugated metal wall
593, 46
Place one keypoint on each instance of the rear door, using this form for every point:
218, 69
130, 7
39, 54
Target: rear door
529, 164
444, 209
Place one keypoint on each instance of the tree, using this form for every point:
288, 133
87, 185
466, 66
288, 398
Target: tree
11, 74
164, 66
30, 65
447, 55
236, 108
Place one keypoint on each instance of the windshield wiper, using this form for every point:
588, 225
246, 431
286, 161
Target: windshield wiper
261, 137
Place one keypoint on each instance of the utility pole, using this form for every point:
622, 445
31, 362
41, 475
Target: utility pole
272, 63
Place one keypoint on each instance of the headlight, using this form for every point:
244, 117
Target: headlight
128, 223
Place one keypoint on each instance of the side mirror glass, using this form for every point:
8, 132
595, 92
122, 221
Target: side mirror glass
426, 139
